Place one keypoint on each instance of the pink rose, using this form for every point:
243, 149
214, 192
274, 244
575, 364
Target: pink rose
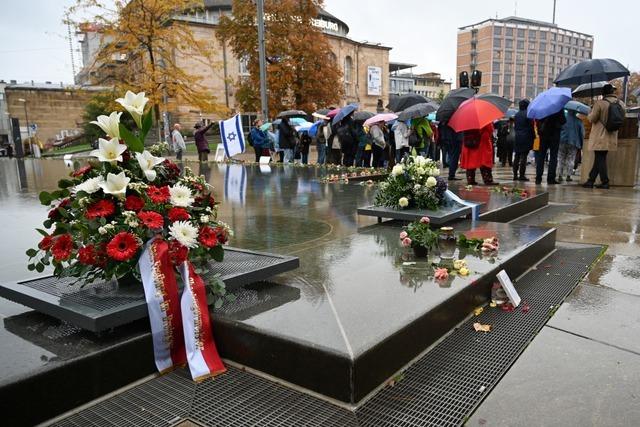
425, 220
441, 274
406, 242
403, 235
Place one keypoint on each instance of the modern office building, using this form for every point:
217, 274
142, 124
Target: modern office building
519, 57
431, 85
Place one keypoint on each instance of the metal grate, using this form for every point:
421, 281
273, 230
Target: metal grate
440, 389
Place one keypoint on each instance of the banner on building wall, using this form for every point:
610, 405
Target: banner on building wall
374, 80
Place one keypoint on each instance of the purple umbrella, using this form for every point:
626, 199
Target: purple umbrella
380, 118
549, 102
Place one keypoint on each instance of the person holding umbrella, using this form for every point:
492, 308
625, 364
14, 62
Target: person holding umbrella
286, 139
549, 129
571, 138
477, 153
606, 117
451, 141
525, 134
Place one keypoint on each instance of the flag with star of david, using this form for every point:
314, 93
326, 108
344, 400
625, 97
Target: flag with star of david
232, 136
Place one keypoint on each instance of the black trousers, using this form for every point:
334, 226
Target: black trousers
599, 167
550, 145
519, 164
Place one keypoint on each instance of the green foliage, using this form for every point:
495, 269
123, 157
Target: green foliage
465, 242
421, 234
133, 142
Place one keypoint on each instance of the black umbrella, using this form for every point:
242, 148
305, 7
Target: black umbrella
418, 110
344, 112
402, 102
361, 116
588, 89
452, 101
593, 70
292, 113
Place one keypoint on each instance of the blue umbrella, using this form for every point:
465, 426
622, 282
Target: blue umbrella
511, 113
549, 102
344, 112
577, 107
313, 130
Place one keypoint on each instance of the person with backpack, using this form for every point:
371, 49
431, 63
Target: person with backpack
477, 153
571, 139
606, 117
259, 140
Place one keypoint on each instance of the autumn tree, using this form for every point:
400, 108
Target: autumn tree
301, 73
142, 43
634, 83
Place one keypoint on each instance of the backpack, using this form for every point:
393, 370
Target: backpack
414, 138
615, 118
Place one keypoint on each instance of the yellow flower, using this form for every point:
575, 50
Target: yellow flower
464, 271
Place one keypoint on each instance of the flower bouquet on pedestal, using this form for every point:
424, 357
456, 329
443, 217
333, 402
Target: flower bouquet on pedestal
415, 182
420, 237
131, 213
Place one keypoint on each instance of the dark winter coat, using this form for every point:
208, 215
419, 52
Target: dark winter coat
287, 135
550, 127
201, 141
525, 133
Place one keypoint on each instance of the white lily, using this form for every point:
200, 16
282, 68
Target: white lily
147, 162
115, 184
134, 103
109, 124
109, 150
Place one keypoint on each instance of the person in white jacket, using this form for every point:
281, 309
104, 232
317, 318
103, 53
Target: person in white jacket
401, 132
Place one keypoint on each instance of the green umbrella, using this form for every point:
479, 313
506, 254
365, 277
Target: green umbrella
266, 126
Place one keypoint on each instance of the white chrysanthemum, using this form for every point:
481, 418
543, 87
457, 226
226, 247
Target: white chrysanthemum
397, 170
181, 196
403, 202
89, 186
431, 182
417, 187
185, 233
420, 160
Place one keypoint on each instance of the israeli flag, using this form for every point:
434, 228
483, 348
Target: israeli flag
232, 136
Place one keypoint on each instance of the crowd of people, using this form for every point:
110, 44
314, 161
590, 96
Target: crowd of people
557, 142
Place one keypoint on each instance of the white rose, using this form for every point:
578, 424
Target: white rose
403, 202
421, 171
420, 160
431, 182
417, 187
397, 170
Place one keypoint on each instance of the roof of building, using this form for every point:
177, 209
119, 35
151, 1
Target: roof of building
397, 66
522, 21
12, 84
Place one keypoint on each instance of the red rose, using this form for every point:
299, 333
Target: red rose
178, 252
158, 194
62, 247
178, 214
87, 255
123, 246
133, 203
221, 234
100, 209
46, 243
208, 237
81, 171
152, 220
172, 169
54, 214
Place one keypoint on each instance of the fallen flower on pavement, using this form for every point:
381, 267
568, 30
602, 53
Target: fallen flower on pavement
479, 327
441, 274
478, 310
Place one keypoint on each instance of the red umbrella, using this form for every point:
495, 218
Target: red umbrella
479, 111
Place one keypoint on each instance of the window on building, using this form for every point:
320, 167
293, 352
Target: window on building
532, 45
496, 66
497, 42
575, 41
582, 42
554, 36
520, 44
575, 52
520, 57
497, 54
530, 70
506, 79
542, 58
508, 43
530, 92
567, 50
552, 48
540, 69
508, 67
497, 31
508, 55
495, 78
540, 81
521, 33
495, 88
543, 46
348, 67
508, 32
531, 57
517, 92
543, 35
506, 91
243, 66
533, 34
518, 80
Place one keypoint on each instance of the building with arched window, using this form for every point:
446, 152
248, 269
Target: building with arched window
364, 65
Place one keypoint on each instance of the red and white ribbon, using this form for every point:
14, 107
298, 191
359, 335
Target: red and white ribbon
178, 324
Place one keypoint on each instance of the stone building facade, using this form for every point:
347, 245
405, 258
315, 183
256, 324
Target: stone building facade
519, 57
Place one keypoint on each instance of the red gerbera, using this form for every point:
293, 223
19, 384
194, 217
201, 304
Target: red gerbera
87, 255
81, 171
62, 247
133, 203
151, 219
222, 235
158, 194
178, 252
100, 209
46, 243
123, 246
208, 237
178, 214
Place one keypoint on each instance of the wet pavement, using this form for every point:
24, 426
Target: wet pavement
577, 359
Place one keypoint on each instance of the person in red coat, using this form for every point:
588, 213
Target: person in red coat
477, 152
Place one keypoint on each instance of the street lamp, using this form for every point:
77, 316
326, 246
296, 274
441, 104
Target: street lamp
26, 117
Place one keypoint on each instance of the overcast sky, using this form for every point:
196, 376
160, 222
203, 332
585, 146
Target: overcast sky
33, 44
